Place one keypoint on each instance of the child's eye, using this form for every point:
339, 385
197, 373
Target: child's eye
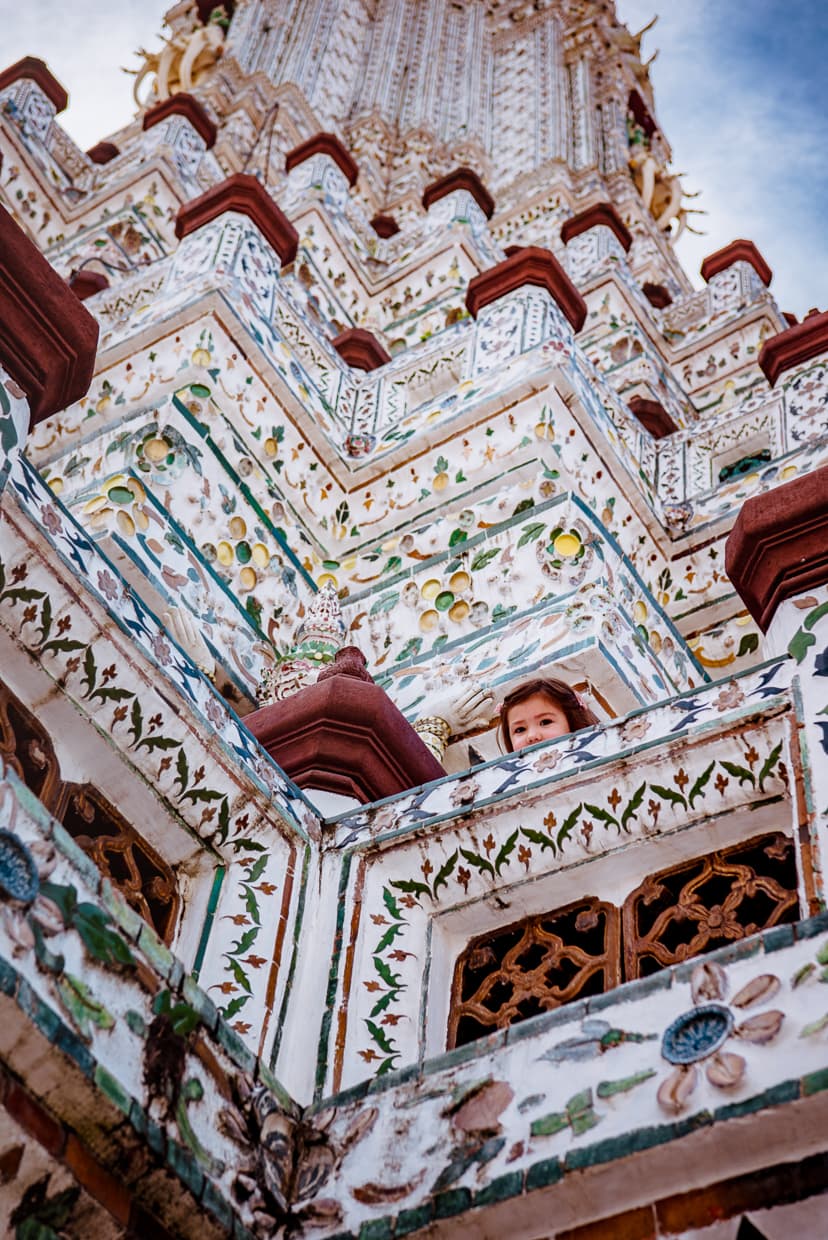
518, 728
546, 722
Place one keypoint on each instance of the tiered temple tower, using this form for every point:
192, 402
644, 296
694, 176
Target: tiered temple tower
359, 369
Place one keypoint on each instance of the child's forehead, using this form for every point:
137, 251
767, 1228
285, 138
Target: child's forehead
539, 699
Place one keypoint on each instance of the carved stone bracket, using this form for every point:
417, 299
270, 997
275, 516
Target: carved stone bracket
47, 339
242, 193
343, 734
653, 416
103, 152
324, 144
530, 265
602, 215
184, 105
740, 251
793, 347
34, 70
87, 283
461, 178
360, 348
778, 547
385, 226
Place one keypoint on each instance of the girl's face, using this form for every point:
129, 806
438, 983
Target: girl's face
536, 718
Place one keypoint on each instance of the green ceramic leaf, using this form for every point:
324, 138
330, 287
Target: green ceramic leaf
669, 794
815, 615
700, 784
748, 645
92, 924
803, 974
607, 1089
800, 644
443, 874
741, 773
632, 807
84, 1009
548, 1125
768, 765
484, 557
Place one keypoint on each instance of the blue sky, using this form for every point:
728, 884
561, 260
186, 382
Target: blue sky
740, 95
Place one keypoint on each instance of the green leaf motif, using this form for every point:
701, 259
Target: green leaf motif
531, 533
386, 603
669, 794
608, 1089
62, 644
25, 594
239, 974
245, 942
380, 1037
182, 772
800, 644
537, 837
484, 557
384, 1002
387, 1065
741, 773
391, 905
46, 620
86, 1012
234, 1006
65, 897
568, 826
633, 806
815, 1026
136, 723
257, 869
388, 976
151, 743
183, 1019
505, 852
748, 645
411, 887
480, 863
103, 944
768, 765
602, 815
548, 1125
443, 874
700, 784
90, 672
388, 938
251, 904
802, 974
814, 616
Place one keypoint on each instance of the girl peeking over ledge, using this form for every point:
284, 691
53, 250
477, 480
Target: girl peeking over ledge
535, 711
539, 710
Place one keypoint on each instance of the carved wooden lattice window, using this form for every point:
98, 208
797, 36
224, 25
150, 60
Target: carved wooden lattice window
25, 745
708, 902
588, 947
534, 966
144, 880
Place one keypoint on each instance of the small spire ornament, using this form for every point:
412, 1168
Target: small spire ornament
316, 641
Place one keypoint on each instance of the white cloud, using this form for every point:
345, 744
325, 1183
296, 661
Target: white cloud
85, 44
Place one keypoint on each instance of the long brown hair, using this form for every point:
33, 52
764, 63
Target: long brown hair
578, 715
